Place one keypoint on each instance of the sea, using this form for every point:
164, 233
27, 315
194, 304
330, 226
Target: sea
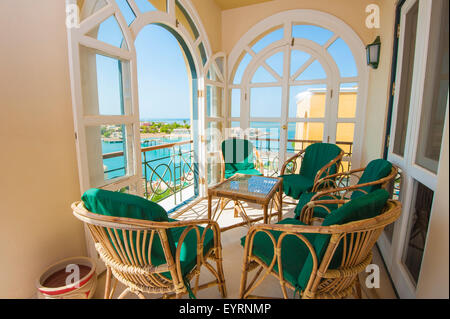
163, 162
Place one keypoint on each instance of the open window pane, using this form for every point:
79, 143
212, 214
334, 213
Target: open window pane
126, 11
343, 57
265, 102
214, 98
241, 68
109, 32
89, 7
406, 76
268, 39
107, 153
348, 94
311, 32
184, 18
105, 83
307, 101
213, 143
435, 92
235, 102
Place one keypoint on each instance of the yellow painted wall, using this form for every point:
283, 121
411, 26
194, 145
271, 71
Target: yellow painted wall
39, 177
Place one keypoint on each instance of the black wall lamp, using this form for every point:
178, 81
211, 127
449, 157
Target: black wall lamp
373, 53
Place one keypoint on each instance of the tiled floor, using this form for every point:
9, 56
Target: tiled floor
233, 256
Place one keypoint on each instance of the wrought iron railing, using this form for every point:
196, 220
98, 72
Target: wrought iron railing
269, 151
167, 170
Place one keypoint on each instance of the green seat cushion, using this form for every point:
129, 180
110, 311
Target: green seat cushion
188, 255
293, 252
130, 206
320, 212
375, 170
363, 207
316, 156
296, 259
251, 171
296, 184
237, 155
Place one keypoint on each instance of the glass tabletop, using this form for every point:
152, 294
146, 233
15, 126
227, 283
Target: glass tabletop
258, 186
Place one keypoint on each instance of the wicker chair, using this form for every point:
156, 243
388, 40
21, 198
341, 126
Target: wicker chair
239, 156
336, 253
317, 161
127, 246
377, 174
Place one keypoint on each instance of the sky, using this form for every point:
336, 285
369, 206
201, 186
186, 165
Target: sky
163, 85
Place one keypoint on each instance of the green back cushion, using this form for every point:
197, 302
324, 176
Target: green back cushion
130, 206
237, 154
375, 170
117, 204
363, 207
318, 155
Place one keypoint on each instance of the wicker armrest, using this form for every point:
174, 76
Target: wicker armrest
306, 215
289, 160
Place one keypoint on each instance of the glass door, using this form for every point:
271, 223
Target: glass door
420, 109
298, 85
214, 101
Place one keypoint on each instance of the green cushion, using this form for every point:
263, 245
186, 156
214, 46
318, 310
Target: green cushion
238, 155
296, 259
320, 212
130, 206
293, 253
375, 170
364, 207
252, 171
118, 204
296, 184
316, 156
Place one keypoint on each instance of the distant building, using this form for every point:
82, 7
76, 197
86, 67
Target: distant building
311, 104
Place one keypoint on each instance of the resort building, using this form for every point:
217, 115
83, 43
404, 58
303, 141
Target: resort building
84, 83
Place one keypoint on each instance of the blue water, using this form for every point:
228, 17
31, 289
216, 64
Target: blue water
159, 159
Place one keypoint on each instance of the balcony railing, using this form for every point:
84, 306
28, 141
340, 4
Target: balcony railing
269, 151
167, 170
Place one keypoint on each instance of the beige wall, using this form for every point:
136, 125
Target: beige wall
39, 176
211, 17
379, 88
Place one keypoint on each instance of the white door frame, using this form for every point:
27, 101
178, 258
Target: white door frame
393, 251
286, 20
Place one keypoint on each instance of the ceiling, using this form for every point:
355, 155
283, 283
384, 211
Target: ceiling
230, 4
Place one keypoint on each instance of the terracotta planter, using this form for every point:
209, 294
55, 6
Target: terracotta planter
59, 281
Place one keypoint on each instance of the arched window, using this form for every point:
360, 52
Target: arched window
104, 77
297, 78
104, 81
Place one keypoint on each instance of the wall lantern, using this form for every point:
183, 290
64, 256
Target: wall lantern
373, 53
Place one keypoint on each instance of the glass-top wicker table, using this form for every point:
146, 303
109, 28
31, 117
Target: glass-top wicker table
265, 191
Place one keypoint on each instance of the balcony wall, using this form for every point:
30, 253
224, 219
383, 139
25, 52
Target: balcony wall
39, 176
